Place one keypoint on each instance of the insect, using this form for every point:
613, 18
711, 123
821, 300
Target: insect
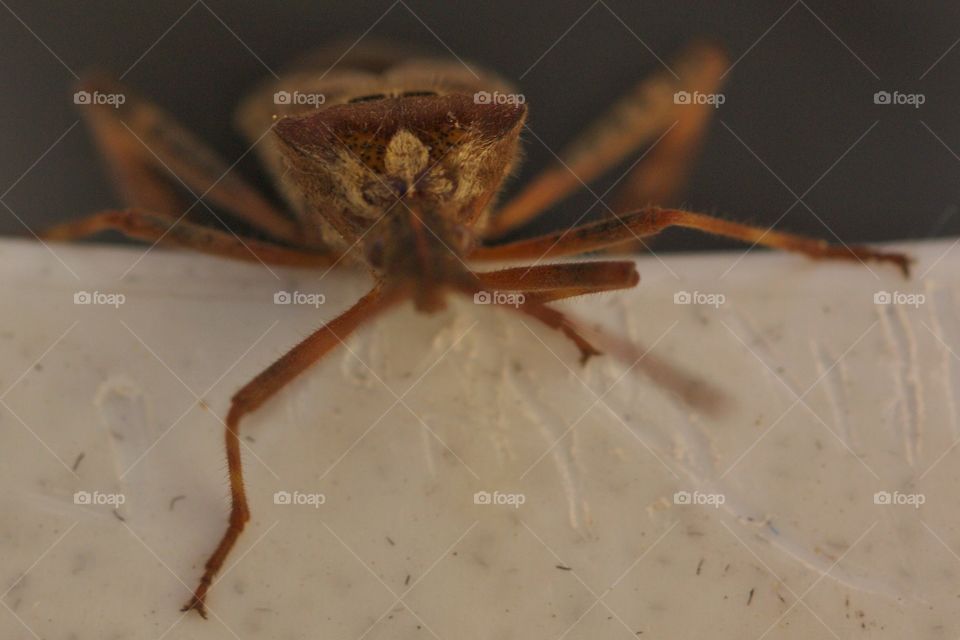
394, 163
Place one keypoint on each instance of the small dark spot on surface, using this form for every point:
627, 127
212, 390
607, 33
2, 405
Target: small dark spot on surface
119, 517
750, 597
249, 438
38, 367
76, 463
407, 581
391, 542
564, 568
175, 499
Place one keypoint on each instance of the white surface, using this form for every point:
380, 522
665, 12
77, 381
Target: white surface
497, 404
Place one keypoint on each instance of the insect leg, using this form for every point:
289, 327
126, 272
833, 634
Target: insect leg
661, 175
154, 160
545, 283
647, 222
636, 119
253, 395
153, 227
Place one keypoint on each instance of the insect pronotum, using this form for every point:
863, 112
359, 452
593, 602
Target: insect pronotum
394, 162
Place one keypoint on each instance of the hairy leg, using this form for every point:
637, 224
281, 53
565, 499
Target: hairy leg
252, 396
633, 121
548, 284
152, 227
650, 221
545, 283
154, 159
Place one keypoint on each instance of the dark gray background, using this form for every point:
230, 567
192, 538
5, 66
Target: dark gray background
799, 98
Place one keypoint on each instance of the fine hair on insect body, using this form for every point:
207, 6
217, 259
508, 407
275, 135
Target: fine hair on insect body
393, 161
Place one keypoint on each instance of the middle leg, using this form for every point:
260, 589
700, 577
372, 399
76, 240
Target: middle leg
652, 220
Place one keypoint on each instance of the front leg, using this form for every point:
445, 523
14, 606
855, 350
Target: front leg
252, 396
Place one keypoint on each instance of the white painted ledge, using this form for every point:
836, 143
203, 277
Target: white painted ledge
494, 406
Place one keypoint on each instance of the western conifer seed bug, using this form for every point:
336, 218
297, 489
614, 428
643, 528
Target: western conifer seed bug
394, 163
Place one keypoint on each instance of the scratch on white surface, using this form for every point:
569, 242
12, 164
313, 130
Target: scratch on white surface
703, 473
765, 351
124, 413
701, 468
835, 391
950, 386
903, 348
578, 507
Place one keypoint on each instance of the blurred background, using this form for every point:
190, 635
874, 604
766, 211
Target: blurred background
799, 119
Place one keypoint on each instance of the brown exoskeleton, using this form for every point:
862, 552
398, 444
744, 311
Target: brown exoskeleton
395, 163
